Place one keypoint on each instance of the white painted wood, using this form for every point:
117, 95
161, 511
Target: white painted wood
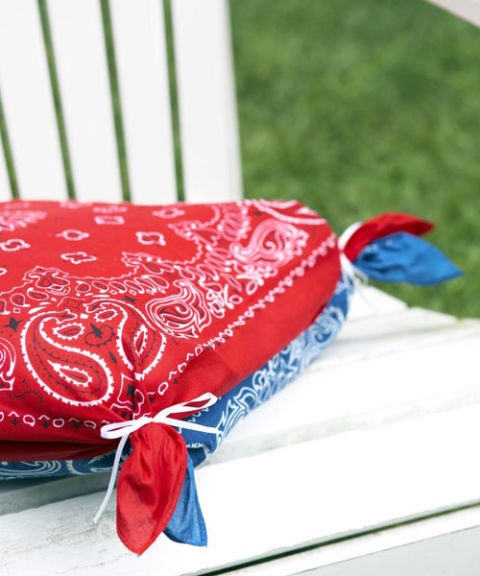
206, 93
443, 545
366, 380
28, 102
18, 495
139, 32
446, 555
309, 493
468, 10
83, 77
5, 193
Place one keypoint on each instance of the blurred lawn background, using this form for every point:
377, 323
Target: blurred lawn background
357, 108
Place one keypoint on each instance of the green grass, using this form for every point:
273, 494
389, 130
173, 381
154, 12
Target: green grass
356, 108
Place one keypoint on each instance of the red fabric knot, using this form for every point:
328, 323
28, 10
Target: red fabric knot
148, 491
149, 485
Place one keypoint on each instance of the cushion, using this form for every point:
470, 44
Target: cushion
122, 322
114, 313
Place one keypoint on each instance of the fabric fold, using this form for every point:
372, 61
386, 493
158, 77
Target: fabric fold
149, 485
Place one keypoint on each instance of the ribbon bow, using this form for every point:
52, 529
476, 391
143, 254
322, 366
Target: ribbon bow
123, 430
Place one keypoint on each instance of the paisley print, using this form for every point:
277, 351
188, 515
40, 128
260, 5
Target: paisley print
66, 371
7, 365
182, 314
139, 344
255, 390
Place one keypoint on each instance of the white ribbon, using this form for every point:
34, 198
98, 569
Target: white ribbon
349, 232
354, 274
123, 430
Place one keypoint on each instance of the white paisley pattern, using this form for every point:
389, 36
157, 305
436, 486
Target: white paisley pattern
125, 307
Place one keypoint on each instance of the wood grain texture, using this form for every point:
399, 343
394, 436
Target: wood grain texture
444, 545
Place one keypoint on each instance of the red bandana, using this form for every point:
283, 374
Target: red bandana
111, 312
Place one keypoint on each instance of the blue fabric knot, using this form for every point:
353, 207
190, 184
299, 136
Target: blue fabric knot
403, 257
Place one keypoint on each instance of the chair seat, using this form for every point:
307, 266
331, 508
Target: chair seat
377, 433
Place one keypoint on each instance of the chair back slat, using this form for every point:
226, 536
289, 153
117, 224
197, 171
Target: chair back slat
79, 45
85, 92
206, 94
140, 47
27, 102
4, 183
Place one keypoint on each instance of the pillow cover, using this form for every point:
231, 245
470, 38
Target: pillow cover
118, 314
153, 314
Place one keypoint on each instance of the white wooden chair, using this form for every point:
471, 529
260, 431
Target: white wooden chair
383, 428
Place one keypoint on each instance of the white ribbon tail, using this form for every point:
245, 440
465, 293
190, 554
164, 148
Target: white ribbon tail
113, 476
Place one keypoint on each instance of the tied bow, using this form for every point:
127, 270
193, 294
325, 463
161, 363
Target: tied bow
123, 430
